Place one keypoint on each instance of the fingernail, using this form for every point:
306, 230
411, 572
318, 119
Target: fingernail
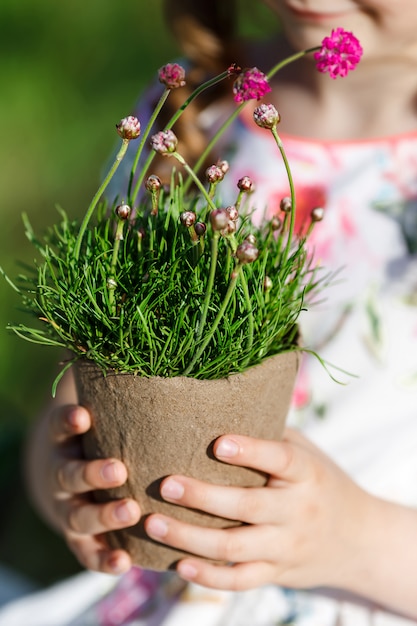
172, 490
187, 571
123, 512
156, 527
227, 448
110, 472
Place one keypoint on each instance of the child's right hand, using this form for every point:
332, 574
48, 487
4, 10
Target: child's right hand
71, 483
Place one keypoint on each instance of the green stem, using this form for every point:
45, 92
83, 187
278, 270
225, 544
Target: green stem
249, 339
171, 122
97, 196
144, 137
291, 59
210, 283
216, 322
292, 193
195, 178
118, 238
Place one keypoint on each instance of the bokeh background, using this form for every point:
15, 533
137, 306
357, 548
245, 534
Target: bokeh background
68, 72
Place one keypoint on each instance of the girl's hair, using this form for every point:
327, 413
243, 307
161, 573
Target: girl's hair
205, 31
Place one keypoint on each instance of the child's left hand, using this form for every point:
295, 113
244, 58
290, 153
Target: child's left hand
302, 529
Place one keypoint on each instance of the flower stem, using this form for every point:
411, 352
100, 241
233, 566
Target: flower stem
195, 178
97, 196
210, 283
144, 137
118, 238
249, 339
292, 193
171, 122
216, 322
291, 59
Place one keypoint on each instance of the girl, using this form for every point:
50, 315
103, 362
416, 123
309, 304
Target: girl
339, 509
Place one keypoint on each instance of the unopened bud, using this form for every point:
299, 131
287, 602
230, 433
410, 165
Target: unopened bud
230, 229
153, 183
276, 223
123, 211
251, 239
246, 252
267, 283
128, 128
233, 213
200, 229
266, 116
245, 184
285, 205
219, 219
224, 166
187, 218
165, 142
172, 75
317, 214
214, 174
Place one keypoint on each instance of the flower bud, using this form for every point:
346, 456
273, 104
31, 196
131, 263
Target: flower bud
224, 165
233, 213
276, 223
214, 174
187, 218
219, 219
229, 229
123, 211
251, 239
246, 252
128, 128
285, 205
172, 75
317, 214
165, 142
246, 184
153, 183
268, 283
111, 283
200, 229
266, 116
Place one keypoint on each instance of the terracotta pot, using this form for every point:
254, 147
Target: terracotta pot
162, 426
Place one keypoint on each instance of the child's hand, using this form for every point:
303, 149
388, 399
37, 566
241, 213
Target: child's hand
71, 482
300, 530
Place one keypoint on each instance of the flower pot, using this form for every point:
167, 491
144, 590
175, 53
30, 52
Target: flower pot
161, 426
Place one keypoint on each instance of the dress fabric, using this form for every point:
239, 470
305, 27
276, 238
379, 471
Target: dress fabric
364, 327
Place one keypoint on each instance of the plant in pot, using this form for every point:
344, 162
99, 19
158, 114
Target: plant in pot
180, 314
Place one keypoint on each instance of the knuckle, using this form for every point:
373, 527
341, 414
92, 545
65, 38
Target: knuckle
232, 548
73, 517
287, 454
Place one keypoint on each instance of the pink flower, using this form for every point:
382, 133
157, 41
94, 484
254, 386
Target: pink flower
339, 53
172, 75
251, 84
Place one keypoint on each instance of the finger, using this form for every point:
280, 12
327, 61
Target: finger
237, 544
249, 505
238, 577
68, 421
280, 459
87, 518
94, 554
78, 476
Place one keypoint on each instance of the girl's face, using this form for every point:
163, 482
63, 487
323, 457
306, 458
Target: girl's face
384, 27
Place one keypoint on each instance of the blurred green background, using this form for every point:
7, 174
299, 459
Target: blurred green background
68, 72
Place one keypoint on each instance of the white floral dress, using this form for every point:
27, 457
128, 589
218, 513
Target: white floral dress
366, 326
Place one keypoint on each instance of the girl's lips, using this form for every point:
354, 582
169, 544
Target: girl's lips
318, 16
